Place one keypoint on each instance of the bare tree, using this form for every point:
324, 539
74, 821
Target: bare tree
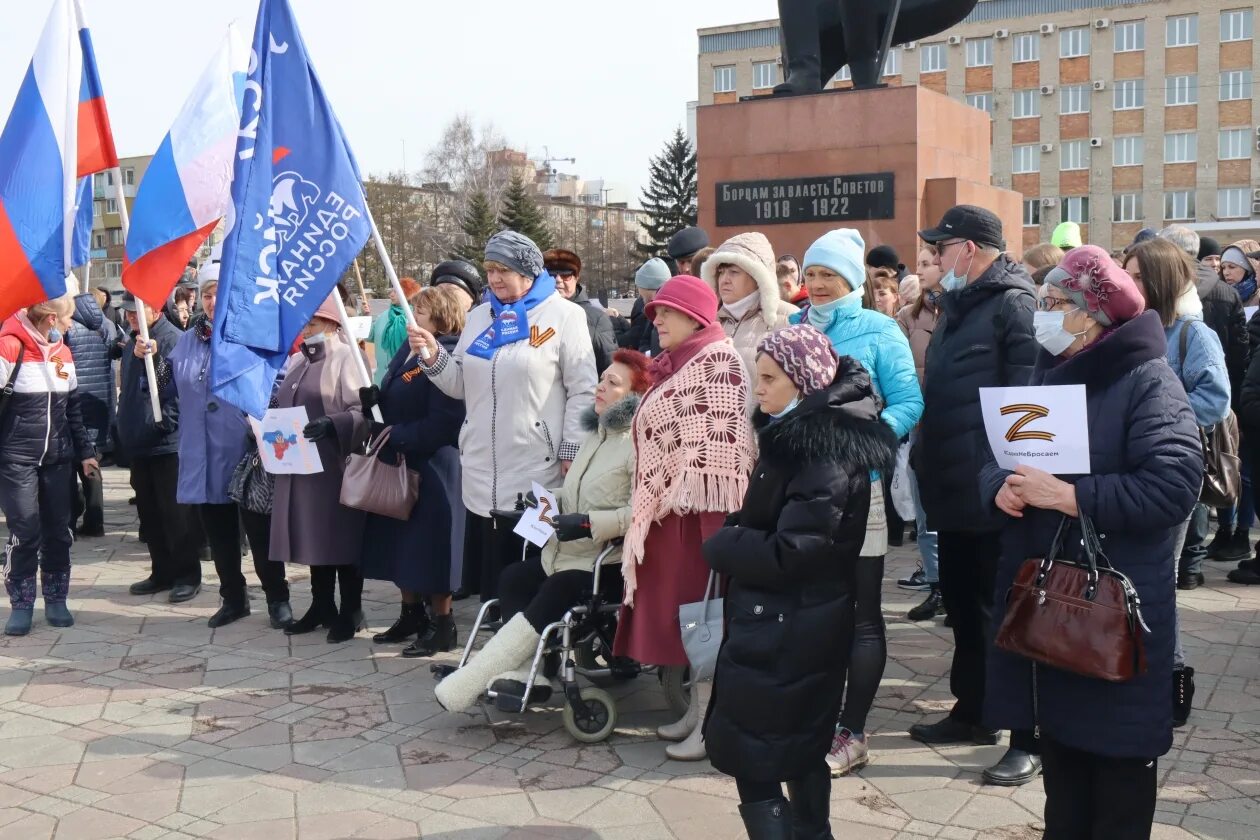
460, 163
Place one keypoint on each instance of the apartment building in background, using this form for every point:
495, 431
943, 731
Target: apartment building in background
1115, 114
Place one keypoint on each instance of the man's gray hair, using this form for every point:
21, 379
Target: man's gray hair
1184, 238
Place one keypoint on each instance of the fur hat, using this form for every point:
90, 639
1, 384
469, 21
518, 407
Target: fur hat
805, 354
560, 261
883, 256
752, 253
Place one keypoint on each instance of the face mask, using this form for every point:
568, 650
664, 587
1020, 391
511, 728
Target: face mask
1051, 334
54, 335
789, 408
820, 315
317, 338
952, 281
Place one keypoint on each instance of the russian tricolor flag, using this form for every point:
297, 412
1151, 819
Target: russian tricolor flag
187, 188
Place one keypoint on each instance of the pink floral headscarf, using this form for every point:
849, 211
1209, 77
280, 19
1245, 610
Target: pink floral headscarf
1094, 282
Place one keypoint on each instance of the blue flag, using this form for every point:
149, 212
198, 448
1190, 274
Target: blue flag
81, 242
298, 216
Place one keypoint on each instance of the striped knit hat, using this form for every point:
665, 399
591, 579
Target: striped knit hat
805, 355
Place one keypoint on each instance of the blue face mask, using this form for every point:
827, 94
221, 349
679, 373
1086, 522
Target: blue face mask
54, 335
820, 315
952, 281
789, 408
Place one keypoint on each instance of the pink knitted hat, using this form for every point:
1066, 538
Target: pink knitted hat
689, 295
805, 354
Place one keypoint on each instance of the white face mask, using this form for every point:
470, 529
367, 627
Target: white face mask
1051, 333
317, 338
789, 408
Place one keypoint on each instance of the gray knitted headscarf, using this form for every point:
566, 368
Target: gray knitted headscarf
517, 252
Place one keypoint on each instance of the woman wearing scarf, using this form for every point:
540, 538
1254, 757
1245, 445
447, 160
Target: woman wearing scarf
389, 331
525, 370
834, 275
694, 449
742, 273
212, 440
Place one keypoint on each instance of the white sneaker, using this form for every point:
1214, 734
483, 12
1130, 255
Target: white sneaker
848, 753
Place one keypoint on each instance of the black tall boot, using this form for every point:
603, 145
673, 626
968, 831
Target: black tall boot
1183, 695
323, 604
411, 620
799, 24
441, 637
769, 820
349, 618
811, 806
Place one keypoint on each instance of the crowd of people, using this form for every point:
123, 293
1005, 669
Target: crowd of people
744, 421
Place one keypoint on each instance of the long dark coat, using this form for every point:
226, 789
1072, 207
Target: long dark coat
1146, 470
789, 612
308, 523
416, 555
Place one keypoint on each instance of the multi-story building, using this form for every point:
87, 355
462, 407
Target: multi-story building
1116, 114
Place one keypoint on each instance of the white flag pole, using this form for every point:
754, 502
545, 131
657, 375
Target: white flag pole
120, 196
391, 273
354, 345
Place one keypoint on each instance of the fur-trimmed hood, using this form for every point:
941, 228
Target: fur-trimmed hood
616, 418
1188, 304
840, 425
753, 253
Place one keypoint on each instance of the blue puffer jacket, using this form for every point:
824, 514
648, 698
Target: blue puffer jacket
881, 347
90, 339
1147, 468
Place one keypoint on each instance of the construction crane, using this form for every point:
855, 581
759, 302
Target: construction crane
548, 160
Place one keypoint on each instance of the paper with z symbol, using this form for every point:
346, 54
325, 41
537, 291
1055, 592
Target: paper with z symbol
283, 447
1042, 426
538, 524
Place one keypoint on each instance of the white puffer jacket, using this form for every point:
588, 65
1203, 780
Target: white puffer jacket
524, 404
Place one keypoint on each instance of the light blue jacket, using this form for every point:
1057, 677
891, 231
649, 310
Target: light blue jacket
1203, 373
881, 347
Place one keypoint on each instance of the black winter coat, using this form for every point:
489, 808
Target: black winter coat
984, 339
1223, 312
140, 435
1249, 402
42, 422
603, 340
789, 610
91, 339
1146, 471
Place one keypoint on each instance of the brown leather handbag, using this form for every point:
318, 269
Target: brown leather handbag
372, 485
1078, 615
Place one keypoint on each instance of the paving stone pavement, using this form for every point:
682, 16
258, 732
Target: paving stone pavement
140, 722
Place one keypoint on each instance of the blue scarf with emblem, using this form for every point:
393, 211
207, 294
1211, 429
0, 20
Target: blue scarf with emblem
511, 320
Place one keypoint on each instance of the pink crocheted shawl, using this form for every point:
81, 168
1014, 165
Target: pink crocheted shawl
694, 446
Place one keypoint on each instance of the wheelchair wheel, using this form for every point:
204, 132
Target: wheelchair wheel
676, 682
600, 720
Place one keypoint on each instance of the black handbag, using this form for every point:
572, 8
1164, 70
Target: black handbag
251, 486
7, 393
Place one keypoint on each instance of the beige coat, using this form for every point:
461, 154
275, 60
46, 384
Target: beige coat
598, 484
752, 253
919, 332
747, 332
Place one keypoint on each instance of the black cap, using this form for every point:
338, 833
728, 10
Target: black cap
966, 221
883, 256
128, 303
686, 242
461, 273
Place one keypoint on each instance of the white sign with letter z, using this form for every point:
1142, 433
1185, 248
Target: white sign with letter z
1042, 426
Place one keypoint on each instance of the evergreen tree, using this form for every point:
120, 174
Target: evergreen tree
521, 213
670, 197
478, 225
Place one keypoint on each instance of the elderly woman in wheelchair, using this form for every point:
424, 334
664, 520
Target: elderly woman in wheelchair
565, 591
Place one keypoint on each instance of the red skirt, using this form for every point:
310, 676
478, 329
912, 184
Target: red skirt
673, 573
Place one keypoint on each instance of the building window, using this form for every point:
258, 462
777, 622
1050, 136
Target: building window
979, 52
765, 74
1130, 36
1128, 151
115, 236
1074, 99
892, 64
1074, 42
844, 74
1075, 208
129, 176
1181, 147
1179, 206
1233, 203
1027, 47
98, 240
98, 208
1025, 159
1026, 103
1126, 207
1032, 212
981, 101
1074, 154
109, 177
1130, 95
1235, 144
932, 58
1182, 90
111, 205
724, 79
1235, 84
1236, 25
1183, 31
113, 270
98, 181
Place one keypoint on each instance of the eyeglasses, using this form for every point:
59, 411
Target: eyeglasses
1049, 304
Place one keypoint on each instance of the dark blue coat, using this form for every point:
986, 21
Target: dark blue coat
90, 339
140, 434
416, 555
1147, 469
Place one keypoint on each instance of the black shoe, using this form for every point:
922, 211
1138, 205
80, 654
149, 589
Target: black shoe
769, 820
810, 798
913, 536
1245, 574
460, 594
90, 533
897, 537
345, 625
441, 637
1220, 540
131, 501
411, 621
916, 581
1236, 549
281, 615
319, 615
949, 621
1183, 695
1016, 768
1190, 580
933, 606
182, 592
229, 612
148, 586
508, 694
951, 731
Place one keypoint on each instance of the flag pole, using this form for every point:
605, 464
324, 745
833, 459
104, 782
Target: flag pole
359, 364
358, 275
120, 196
391, 274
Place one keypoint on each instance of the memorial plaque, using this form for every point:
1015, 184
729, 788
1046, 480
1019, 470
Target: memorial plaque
822, 198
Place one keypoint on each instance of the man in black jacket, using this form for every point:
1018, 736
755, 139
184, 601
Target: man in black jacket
566, 267
152, 447
90, 339
984, 339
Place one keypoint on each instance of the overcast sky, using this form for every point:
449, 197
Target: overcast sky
602, 82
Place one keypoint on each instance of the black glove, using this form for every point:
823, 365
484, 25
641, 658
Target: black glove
318, 429
732, 520
375, 429
369, 397
164, 426
531, 501
573, 526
